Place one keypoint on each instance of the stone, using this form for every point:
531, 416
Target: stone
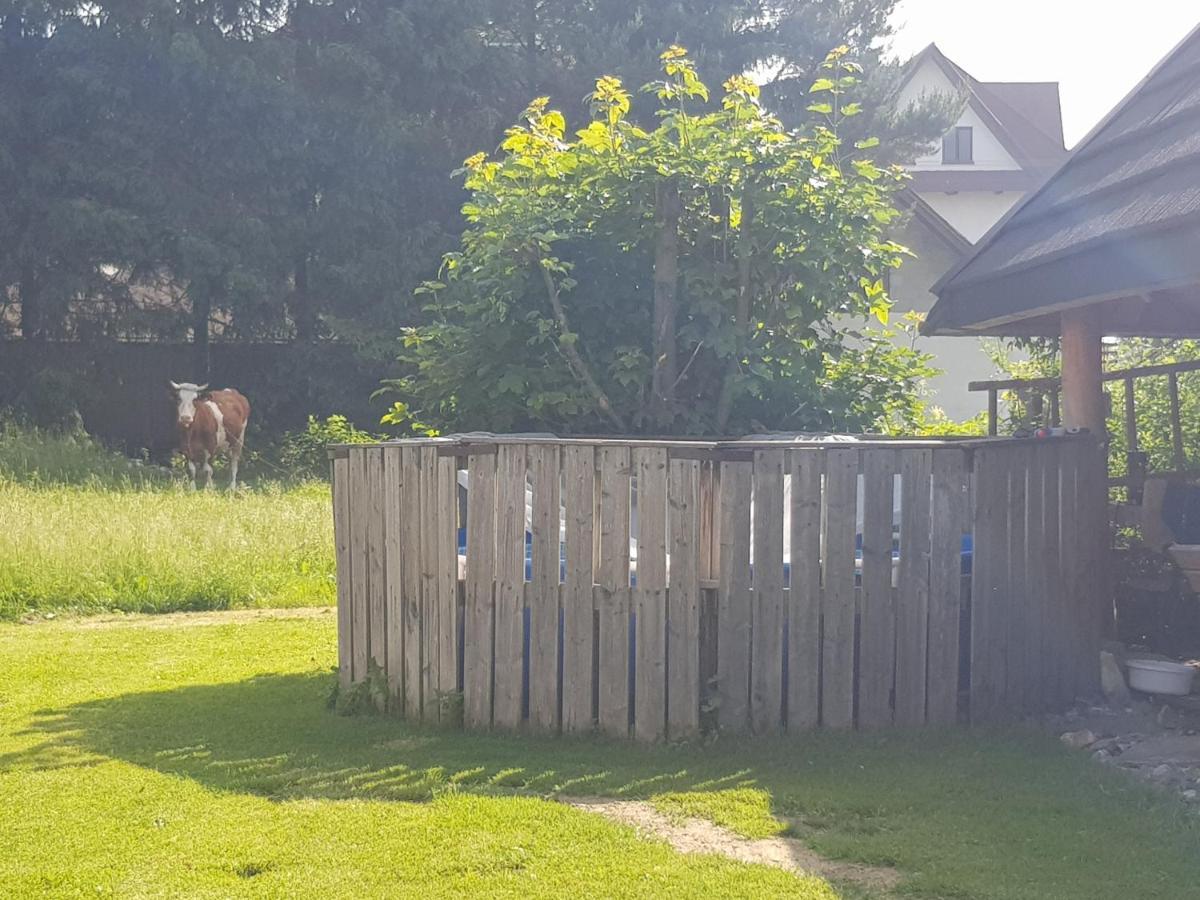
1161, 772
1190, 796
1077, 740
1101, 756
1112, 681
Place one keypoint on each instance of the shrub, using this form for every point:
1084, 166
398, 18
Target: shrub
302, 453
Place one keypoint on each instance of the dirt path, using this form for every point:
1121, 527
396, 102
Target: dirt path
181, 619
699, 836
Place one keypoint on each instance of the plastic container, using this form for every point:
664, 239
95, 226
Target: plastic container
1155, 676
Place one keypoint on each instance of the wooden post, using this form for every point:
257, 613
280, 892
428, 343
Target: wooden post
993, 412
1083, 392
1178, 459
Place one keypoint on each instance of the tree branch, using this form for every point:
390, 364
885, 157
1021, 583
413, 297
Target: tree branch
577, 363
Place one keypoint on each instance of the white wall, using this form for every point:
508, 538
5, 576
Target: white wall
972, 213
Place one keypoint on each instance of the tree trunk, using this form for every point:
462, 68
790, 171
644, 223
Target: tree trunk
32, 326
303, 309
666, 284
741, 316
201, 314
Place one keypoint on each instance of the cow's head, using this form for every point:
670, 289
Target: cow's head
185, 394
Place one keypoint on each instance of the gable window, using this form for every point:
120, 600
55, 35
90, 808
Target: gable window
958, 145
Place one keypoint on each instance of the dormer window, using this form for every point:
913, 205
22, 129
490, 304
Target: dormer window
958, 146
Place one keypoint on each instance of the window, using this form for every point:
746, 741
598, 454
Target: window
958, 145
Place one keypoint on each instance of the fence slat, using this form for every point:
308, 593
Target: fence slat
733, 600
447, 583
1017, 650
1098, 597
344, 553
1056, 622
877, 622
579, 472
1036, 579
377, 586
838, 600
949, 519
410, 589
431, 625
360, 512
612, 590
393, 576
990, 560
912, 604
1071, 526
650, 597
478, 626
510, 585
683, 600
706, 552
543, 608
766, 658
804, 591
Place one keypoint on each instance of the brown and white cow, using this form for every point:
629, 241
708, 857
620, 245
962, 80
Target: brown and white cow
209, 422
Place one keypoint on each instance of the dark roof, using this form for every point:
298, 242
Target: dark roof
1025, 116
1118, 223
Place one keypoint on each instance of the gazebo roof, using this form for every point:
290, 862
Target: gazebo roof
1117, 227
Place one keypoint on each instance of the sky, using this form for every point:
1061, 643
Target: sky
1096, 49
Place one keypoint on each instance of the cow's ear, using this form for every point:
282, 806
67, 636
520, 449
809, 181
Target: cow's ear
174, 386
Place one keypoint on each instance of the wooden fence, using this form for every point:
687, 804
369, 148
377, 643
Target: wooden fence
661, 588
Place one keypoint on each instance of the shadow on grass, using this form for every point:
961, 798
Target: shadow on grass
273, 736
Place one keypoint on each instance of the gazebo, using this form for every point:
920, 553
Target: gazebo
1108, 246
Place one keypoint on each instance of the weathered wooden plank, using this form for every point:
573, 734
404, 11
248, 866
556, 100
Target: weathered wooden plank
912, 596
479, 624
410, 588
612, 594
579, 474
683, 600
447, 585
1017, 649
343, 551
877, 617
733, 598
707, 550
510, 585
543, 607
393, 576
1036, 579
360, 514
1098, 538
650, 597
1057, 693
376, 552
767, 619
988, 630
838, 600
1072, 528
804, 591
948, 515
427, 463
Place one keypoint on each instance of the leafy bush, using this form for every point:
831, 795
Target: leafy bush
302, 453
40, 456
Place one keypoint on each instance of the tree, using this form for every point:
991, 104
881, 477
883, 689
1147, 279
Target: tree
700, 277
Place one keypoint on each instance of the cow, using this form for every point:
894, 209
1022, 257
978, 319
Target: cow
209, 422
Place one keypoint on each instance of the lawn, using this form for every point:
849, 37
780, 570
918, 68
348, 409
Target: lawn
195, 755
85, 530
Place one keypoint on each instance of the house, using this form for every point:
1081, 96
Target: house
1006, 141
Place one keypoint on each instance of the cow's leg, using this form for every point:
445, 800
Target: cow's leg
208, 472
235, 454
192, 473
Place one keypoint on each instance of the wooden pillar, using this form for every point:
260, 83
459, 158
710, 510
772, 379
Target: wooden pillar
1082, 384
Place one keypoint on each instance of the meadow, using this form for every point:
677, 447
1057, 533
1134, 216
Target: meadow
86, 531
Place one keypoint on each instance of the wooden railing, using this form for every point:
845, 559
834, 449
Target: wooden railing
655, 588
1044, 396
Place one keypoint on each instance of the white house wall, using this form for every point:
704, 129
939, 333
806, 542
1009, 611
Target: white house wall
971, 213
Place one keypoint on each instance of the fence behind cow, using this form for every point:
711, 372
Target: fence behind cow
657, 588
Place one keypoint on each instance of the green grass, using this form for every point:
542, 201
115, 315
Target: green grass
95, 548
86, 530
167, 757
